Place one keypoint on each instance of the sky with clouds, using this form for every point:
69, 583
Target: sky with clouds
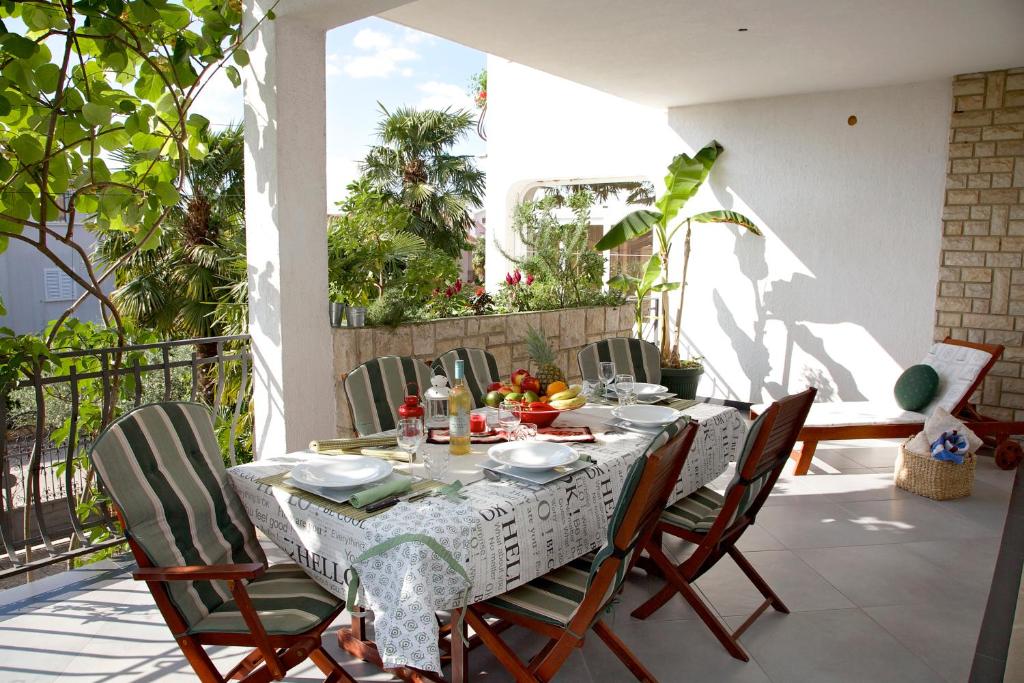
372, 61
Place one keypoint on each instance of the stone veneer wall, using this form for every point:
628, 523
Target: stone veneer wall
981, 279
503, 335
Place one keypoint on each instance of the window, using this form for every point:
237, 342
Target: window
57, 285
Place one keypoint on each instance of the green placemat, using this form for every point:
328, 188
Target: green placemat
280, 481
682, 403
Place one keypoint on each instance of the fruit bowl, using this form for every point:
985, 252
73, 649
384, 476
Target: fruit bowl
540, 418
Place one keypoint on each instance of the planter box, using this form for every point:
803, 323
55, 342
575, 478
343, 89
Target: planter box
568, 329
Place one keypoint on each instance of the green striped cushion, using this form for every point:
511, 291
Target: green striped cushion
376, 388
552, 598
635, 356
696, 512
481, 370
287, 601
162, 466
750, 490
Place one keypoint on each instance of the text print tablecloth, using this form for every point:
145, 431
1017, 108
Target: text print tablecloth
503, 534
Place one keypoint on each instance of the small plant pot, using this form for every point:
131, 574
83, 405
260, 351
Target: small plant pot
356, 316
337, 311
682, 381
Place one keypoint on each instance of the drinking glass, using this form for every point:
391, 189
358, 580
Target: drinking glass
508, 417
435, 463
409, 433
624, 389
606, 373
589, 390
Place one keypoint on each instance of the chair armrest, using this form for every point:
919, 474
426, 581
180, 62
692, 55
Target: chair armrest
223, 572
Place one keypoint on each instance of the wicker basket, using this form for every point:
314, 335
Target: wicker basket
926, 476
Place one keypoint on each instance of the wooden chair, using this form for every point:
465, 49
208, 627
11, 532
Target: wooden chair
715, 522
197, 550
962, 367
481, 370
636, 355
567, 602
376, 388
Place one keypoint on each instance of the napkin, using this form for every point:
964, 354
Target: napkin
392, 486
373, 446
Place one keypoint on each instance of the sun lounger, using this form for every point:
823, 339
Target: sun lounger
961, 365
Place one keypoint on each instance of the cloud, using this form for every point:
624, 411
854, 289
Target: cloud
368, 39
411, 36
220, 101
438, 95
381, 64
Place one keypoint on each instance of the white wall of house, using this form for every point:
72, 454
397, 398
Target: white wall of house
840, 292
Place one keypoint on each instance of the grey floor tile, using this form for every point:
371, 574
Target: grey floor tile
940, 632
799, 586
838, 646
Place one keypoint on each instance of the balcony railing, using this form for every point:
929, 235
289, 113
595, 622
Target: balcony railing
52, 507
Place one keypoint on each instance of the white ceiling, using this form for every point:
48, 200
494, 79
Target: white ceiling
679, 52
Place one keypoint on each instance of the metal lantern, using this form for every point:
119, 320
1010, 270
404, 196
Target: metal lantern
435, 403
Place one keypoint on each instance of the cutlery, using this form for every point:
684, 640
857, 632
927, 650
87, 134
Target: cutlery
394, 500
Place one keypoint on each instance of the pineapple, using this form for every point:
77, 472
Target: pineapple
543, 355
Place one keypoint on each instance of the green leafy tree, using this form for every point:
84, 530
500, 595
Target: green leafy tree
83, 81
413, 167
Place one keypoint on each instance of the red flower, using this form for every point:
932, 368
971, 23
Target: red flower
480, 291
449, 292
517, 276
436, 291
508, 279
529, 279
458, 284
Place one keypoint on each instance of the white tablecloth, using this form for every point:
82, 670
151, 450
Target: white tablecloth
502, 533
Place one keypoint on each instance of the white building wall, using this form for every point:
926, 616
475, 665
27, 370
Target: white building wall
840, 292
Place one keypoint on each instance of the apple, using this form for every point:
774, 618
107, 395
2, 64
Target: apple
494, 386
493, 398
518, 375
506, 389
530, 397
531, 384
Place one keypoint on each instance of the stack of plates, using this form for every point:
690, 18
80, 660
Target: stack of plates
646, 417
536, 462
645, 392
341, 476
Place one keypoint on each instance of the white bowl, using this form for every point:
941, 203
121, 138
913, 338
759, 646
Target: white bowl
532, 455
342, 471
645, 389
646, 415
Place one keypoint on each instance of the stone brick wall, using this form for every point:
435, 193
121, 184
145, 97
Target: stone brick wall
981, 279
568, 330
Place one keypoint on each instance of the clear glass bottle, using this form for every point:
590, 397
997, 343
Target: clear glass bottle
460, 403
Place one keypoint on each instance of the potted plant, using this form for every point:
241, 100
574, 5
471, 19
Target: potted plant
336, 307
685, 176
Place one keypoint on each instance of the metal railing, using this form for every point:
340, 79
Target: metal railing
51, 503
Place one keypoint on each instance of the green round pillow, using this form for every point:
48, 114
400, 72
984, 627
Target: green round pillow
916, 387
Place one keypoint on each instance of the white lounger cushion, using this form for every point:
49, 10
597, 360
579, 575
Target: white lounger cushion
957, 366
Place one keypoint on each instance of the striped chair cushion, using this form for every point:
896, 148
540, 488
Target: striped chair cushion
163, 468
287, 601
636, 356
376, 388
552, 598
481, 370
696, 512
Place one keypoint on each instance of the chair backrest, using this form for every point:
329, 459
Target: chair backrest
645, 492
481, 370
766, 450
164, 470
377, 388
636, 356
961, 366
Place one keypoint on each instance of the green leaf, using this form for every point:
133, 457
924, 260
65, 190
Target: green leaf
5, 105
241, 57
634, 225
167, 193
175, 16
27, 148
724, 216
652, 270
19, 46
96, 114
684, 178
47, 77
233, 76
665, 287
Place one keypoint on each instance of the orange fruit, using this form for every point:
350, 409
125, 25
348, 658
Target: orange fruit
556, 387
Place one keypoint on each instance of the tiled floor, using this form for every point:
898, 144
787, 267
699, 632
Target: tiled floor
883, 586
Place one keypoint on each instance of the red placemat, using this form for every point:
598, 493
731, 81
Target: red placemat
556, 434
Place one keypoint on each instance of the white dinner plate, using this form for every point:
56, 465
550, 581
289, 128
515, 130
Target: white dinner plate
342, 471
532, 455
647, 416
644, 389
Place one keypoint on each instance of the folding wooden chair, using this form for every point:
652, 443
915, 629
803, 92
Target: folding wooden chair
197, 550
377, 388
481, 370
565, 603
715, 522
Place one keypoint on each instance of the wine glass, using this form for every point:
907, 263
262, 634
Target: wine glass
509, 417
435, 463
606, 373
409, 433
624, 389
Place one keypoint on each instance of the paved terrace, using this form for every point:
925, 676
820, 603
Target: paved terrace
884, 586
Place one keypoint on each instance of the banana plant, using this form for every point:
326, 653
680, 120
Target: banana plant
685, 176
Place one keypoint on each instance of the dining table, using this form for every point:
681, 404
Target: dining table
478, 540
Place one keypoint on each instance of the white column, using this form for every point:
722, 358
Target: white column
285, 208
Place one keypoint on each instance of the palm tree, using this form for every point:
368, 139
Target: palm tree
413, 167
180, 287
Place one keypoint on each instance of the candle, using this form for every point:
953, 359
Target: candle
477, 423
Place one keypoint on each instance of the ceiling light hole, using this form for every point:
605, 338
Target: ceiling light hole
743, 30
852, 121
